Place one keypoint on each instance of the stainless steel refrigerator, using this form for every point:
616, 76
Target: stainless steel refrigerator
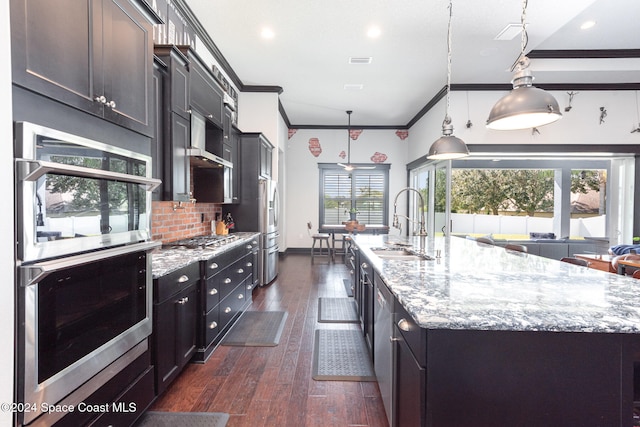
258, 210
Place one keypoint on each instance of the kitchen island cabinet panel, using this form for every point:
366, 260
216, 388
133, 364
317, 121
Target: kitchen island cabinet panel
492, 338
94, 55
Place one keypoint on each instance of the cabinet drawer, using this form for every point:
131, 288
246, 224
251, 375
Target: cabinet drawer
211, 293
231, 305
414, 335
212, 325
166, 286
218, 263
240, 270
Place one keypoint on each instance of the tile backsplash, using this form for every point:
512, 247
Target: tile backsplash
192, 219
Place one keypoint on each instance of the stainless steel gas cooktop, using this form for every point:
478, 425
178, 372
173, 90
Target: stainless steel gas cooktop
202, 242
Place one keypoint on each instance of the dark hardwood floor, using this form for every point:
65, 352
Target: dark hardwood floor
272, 386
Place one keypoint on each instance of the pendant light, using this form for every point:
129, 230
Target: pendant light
525, 106
348, 166
448, 146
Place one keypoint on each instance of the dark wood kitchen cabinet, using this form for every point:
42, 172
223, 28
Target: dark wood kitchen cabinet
94, 55
174, 134
226, 292
174, 323
230, 143
206, 94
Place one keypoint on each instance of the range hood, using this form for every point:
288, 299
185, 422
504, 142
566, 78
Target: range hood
198, 153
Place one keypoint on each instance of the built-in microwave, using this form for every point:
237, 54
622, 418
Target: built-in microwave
76, 195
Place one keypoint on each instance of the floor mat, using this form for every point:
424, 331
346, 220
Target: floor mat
347, 287
257, 329
183, 419
337, 310
341, 355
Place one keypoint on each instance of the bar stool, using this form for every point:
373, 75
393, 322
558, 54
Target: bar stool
342, 241
319, 238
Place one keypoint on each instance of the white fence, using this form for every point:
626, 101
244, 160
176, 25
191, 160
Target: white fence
503, 224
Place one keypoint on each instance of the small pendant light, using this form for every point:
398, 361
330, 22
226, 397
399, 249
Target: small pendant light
525, 106
448, 146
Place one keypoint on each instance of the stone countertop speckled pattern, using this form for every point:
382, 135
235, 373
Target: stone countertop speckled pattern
481, 287
167, 260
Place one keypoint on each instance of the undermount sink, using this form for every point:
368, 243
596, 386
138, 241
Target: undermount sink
400, 254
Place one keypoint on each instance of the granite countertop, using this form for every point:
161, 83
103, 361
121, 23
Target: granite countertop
482, 287
166, 260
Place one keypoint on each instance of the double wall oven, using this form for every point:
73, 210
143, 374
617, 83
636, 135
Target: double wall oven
83, 266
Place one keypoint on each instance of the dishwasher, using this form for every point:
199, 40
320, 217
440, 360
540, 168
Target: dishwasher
383, 345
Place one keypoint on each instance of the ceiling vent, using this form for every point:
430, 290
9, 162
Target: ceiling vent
509, 32
363, 60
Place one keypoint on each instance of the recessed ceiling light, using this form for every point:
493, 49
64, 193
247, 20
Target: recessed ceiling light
360, 60
267, 33
587, 24
374, 32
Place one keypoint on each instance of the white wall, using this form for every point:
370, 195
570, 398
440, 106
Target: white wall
302, 174
258, 112
578, 126
7, 220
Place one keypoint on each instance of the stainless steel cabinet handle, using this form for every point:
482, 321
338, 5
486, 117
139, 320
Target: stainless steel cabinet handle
240, 271
183, 300
101, 99
213, 291
227, 310
392, 339
255, 242
249, 264
227, 281
240, 296
249, 286
364, 265
249, 247
183, 278
213, 266
213, 325
351, 272
210, 116
404, 325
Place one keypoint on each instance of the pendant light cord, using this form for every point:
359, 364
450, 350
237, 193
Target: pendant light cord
447, 119
522, 60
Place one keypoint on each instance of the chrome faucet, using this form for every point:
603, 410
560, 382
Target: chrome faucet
422, 223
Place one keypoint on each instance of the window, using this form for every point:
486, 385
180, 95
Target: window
362, 190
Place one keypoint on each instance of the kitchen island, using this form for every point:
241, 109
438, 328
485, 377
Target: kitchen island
488, 337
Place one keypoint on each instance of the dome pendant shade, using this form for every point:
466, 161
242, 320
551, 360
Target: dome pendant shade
524, 107
448, 147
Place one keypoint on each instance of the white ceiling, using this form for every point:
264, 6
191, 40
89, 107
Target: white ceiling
313, 40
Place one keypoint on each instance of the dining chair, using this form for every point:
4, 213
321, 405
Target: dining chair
516, 248
575, 261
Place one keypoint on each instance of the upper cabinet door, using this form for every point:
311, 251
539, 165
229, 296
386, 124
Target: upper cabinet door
53, 49
127, 65
206, 95
94, 55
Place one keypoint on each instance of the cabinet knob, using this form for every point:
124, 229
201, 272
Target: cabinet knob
351, 272
249, 286
227, 281
101, 99
240, 271
227, 310
404, 325
213, 325
255, 242
365, 265
249, 247
213, 266
210, 116
249, 264
183, 300
240, 296
111, 104
213, 291
183, 278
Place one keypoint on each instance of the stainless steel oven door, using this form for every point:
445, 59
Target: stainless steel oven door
80, 314
76, 195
